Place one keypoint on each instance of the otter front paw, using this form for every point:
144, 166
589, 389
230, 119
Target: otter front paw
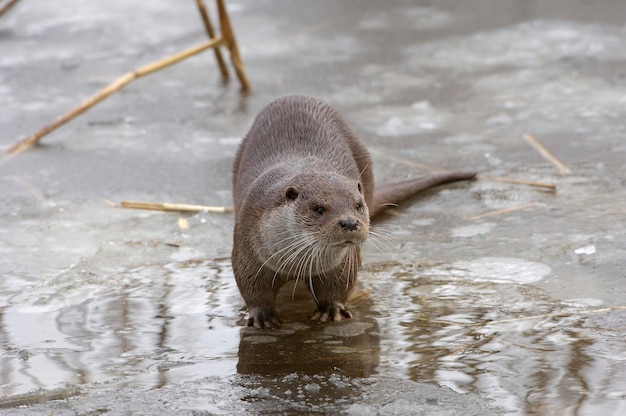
263, 318
334, 311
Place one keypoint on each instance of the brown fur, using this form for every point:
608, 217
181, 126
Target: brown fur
303, 187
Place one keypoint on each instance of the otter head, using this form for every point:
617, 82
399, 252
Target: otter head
319, 218
330, 207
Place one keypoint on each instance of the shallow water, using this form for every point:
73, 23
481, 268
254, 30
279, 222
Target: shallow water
471, 326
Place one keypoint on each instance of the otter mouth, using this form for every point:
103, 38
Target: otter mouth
346, 243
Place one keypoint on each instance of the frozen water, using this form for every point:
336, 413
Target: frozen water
522, 307
534, 43
502, 270
416, 118
590, 249
473, 230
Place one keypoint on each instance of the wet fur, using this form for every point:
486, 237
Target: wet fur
303, 187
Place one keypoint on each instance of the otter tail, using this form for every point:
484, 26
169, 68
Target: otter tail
390, 195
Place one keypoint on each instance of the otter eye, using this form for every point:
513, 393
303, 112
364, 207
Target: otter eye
291, 193
359, 206
320, 210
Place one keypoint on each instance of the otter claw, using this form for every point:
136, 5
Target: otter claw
260, 319
335, 312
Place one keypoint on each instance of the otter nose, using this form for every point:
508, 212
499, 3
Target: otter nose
349, 224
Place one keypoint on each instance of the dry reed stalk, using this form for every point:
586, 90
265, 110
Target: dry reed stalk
115, 86
33, 191
227, 39
7, 6
549, 186
229, 36
546, 155
169, 207
204, 14
504, 211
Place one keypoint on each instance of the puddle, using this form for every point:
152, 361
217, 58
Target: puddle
473, 326
152, 326
475, 330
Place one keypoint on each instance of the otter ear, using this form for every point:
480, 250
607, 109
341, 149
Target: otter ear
291, 193
358, 185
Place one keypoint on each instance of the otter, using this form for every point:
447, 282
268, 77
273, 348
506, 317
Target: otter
303, 188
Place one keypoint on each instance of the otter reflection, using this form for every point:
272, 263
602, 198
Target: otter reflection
351, 348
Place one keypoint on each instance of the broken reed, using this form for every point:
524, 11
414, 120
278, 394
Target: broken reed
546, 154
227, 39
115, 86
171, 207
